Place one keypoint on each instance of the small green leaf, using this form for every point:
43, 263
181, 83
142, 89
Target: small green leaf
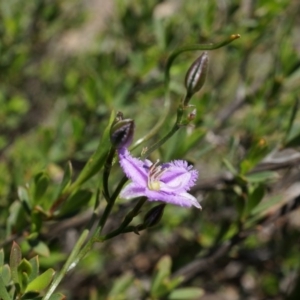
14, 288
240, 197
24, 197
265, 205
189, 293
5, 274
24, 270
254, 198
229, 166
58, 296
36, 222
172, 284
294, 141
292, 118
34, 267
25, 266
1, 257
255, 154
40, 282
40, 248
121, 285
75, 202
96, 162
163, 272
3, 291
17, 216
66, 179
261, 177
41, 182
54, 258
23, 281
14, 261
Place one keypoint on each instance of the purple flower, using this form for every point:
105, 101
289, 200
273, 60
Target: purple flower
167, 182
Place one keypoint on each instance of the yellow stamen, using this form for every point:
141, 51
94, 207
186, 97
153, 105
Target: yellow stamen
154, 185
155, 172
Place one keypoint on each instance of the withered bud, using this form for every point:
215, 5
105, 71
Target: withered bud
154, 215
195, 76
119, 116
192, 115
121, 133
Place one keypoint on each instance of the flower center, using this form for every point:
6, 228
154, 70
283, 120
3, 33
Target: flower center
155, 172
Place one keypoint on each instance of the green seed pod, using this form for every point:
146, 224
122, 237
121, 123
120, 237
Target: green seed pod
121, 133
195, 76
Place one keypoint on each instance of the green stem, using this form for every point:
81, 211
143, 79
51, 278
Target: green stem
87, 248
127, 220
106, 172
111, 203
174, 129
69, 263
77, 254
210, 46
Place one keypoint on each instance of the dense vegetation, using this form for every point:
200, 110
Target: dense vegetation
66, 69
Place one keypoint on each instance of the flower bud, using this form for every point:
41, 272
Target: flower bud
153, 216
195, 76
121, 133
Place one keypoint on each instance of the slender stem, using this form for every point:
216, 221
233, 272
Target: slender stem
210, 46
174, 129
74, 259
66, 267
95, 215
111, 203
127, 220
106, 172
77, 254
86, 248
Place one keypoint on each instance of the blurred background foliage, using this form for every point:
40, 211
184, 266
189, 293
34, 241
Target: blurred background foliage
65, 65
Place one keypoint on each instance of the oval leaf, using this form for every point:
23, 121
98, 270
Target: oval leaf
163, 271
41, 181
35, 268
68, 171
121, 285
1, 257
261, 176
25, 266
97, 160
24, 197
255, 197
15, 259
3, 291
75, 202
189, 293
5, 274
40, 282
40, 248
